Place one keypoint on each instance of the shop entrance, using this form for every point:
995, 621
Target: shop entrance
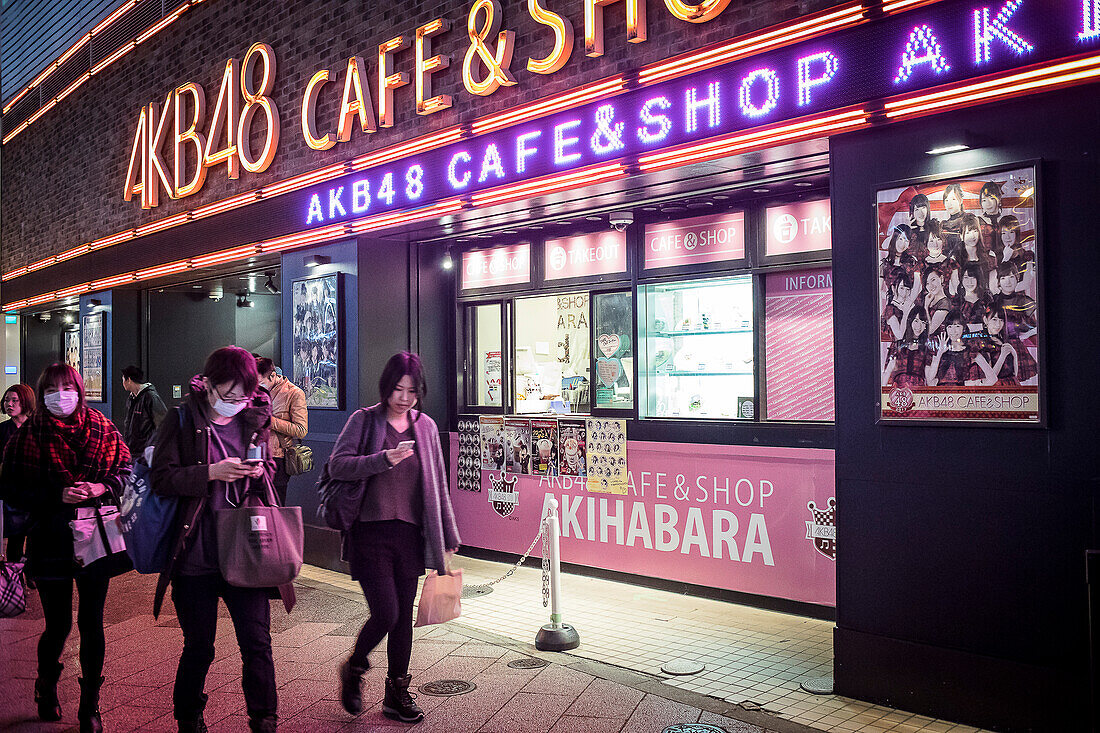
185, 322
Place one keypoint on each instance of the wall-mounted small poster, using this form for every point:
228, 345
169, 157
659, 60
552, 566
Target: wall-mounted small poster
71, 348
571, 447
317, 351
91, 359
517, 445
544, 440
469, 455
492, 443
606, 452
959, 298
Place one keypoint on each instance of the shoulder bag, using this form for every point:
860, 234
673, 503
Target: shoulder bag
340, 500
260, 544
146, 517
13, 596
299, 458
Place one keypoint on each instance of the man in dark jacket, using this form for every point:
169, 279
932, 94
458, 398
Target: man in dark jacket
144, 412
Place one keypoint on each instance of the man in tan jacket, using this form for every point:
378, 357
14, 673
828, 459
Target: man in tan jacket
289, 419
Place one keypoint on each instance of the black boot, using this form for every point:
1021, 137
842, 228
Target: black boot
351, 687
88, 712
45, 691
261, 723
198, 725
398, 703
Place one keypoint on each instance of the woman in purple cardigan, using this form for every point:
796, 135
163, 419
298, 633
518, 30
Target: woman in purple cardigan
405, 524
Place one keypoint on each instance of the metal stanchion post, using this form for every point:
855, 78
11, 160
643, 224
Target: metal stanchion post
555, 636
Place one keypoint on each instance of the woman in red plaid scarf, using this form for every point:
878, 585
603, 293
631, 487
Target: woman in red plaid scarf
66, 456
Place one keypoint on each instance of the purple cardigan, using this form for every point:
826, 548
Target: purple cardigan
346, 464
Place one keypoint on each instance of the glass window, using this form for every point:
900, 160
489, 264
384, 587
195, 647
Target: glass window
552, 354
699, 349
483, 327
614, 350
798, 345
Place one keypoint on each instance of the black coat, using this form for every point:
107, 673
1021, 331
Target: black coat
180, 469
144, 413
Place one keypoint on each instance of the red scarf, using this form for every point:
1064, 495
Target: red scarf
85, 447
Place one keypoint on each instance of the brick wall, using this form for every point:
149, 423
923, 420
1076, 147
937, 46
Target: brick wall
64, 175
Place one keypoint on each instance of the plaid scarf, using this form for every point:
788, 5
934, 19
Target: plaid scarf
85, 447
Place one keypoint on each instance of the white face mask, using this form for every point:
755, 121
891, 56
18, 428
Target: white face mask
228, 409
62, 404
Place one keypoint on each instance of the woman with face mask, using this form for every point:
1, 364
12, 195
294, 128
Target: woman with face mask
203, 457
65, 456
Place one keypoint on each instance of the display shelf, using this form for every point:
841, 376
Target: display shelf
682, 373
705, 332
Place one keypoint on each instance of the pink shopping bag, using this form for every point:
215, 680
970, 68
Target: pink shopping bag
441, 598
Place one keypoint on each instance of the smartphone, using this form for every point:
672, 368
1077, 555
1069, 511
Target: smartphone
406, 445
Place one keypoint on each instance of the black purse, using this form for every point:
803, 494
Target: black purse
341, 500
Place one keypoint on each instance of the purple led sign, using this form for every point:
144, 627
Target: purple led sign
946, 42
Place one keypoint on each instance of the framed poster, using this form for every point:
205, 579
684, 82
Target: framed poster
958, 295
318, 349
71, 348
91, 356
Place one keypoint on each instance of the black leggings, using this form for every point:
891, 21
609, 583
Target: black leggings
389, 565
57, 607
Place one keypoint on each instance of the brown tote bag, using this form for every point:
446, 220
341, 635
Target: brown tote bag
259, 544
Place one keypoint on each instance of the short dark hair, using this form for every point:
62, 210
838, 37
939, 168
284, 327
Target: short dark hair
264, 366
991, 189
134, 374
27, 401
58, 372
233, 365
405, 362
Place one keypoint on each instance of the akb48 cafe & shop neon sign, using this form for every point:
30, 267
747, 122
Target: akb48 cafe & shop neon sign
842, 69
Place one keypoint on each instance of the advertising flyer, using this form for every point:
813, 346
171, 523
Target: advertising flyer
469, 455
544, 439
606, 446
571, 447
517, 445
492, 443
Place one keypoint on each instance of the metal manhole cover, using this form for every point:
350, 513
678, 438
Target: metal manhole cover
444, 688
528, 663
817, 685
473, 591
682, 666
694, 728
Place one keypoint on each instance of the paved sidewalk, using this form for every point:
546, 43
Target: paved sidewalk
570, 695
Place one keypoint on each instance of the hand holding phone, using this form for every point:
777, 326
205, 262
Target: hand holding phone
406, 445
403, 450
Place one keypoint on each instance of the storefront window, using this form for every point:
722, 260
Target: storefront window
699, 349
614, 350
552, 354
483, 325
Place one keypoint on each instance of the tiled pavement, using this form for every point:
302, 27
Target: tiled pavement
570, 695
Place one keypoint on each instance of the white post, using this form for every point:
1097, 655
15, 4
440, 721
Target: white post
555, 636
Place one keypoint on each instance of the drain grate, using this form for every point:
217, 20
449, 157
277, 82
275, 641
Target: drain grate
682, 666
694, 728
473, 591
445, 688
528, 663
817, 685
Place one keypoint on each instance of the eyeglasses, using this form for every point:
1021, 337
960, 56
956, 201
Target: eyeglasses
230, 400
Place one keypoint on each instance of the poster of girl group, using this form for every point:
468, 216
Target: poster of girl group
316, 328
958, 298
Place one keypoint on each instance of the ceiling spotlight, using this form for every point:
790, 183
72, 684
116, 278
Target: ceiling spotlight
215, 292
760, 190
67, 318
803, 184
720, 196
269, 284
593, 218
244, 302
45, 316
948, 148
317, 260
448, 262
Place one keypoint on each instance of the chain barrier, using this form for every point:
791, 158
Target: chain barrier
545, 536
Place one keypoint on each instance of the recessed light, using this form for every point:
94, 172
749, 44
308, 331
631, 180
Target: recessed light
803, 184
196, 287
949, 148
593, 218
699, 204
649, 208
535, 227
673, 209
760, 190
508, 231
720, 197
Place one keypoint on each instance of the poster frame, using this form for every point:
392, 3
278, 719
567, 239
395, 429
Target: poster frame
91, 395
340, 343
1041, 421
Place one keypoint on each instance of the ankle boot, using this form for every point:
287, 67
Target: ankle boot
398, 703
45, 691
198, 725
351, 687
88, 712
262, 723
